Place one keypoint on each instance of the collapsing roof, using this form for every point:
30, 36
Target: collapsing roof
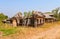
47, 16
18, 15
38, 14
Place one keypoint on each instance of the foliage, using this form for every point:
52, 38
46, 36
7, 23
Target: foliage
28, 14
25, 13
48, 13
56, 13
2, 16
7, 29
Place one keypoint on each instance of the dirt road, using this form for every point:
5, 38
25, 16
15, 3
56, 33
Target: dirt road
53, 33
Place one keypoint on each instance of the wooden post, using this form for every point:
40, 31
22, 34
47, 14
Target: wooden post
52, 20
28, 21
24, 22
14, 23
35, 23
48, 20
39, 21
18, 21
44, 20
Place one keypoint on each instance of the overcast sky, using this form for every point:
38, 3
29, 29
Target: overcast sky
11, 7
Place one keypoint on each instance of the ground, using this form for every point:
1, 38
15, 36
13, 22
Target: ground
47, 31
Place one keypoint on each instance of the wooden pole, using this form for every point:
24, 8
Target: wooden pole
14, 23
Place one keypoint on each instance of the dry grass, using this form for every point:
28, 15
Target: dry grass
7, 28
25, 31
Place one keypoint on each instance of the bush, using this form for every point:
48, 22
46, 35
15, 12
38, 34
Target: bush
2, 16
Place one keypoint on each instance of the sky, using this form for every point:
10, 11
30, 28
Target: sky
11, 7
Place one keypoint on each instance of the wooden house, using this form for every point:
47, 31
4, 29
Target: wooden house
16, 20
37, 18
49, 18
13, 21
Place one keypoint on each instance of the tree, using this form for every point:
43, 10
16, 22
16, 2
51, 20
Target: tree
29, 14
25, 13
56, 13
59, 16
2, 16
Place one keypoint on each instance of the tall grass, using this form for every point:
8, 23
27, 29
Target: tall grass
7, 29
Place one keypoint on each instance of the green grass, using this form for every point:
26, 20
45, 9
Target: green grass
7, 29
